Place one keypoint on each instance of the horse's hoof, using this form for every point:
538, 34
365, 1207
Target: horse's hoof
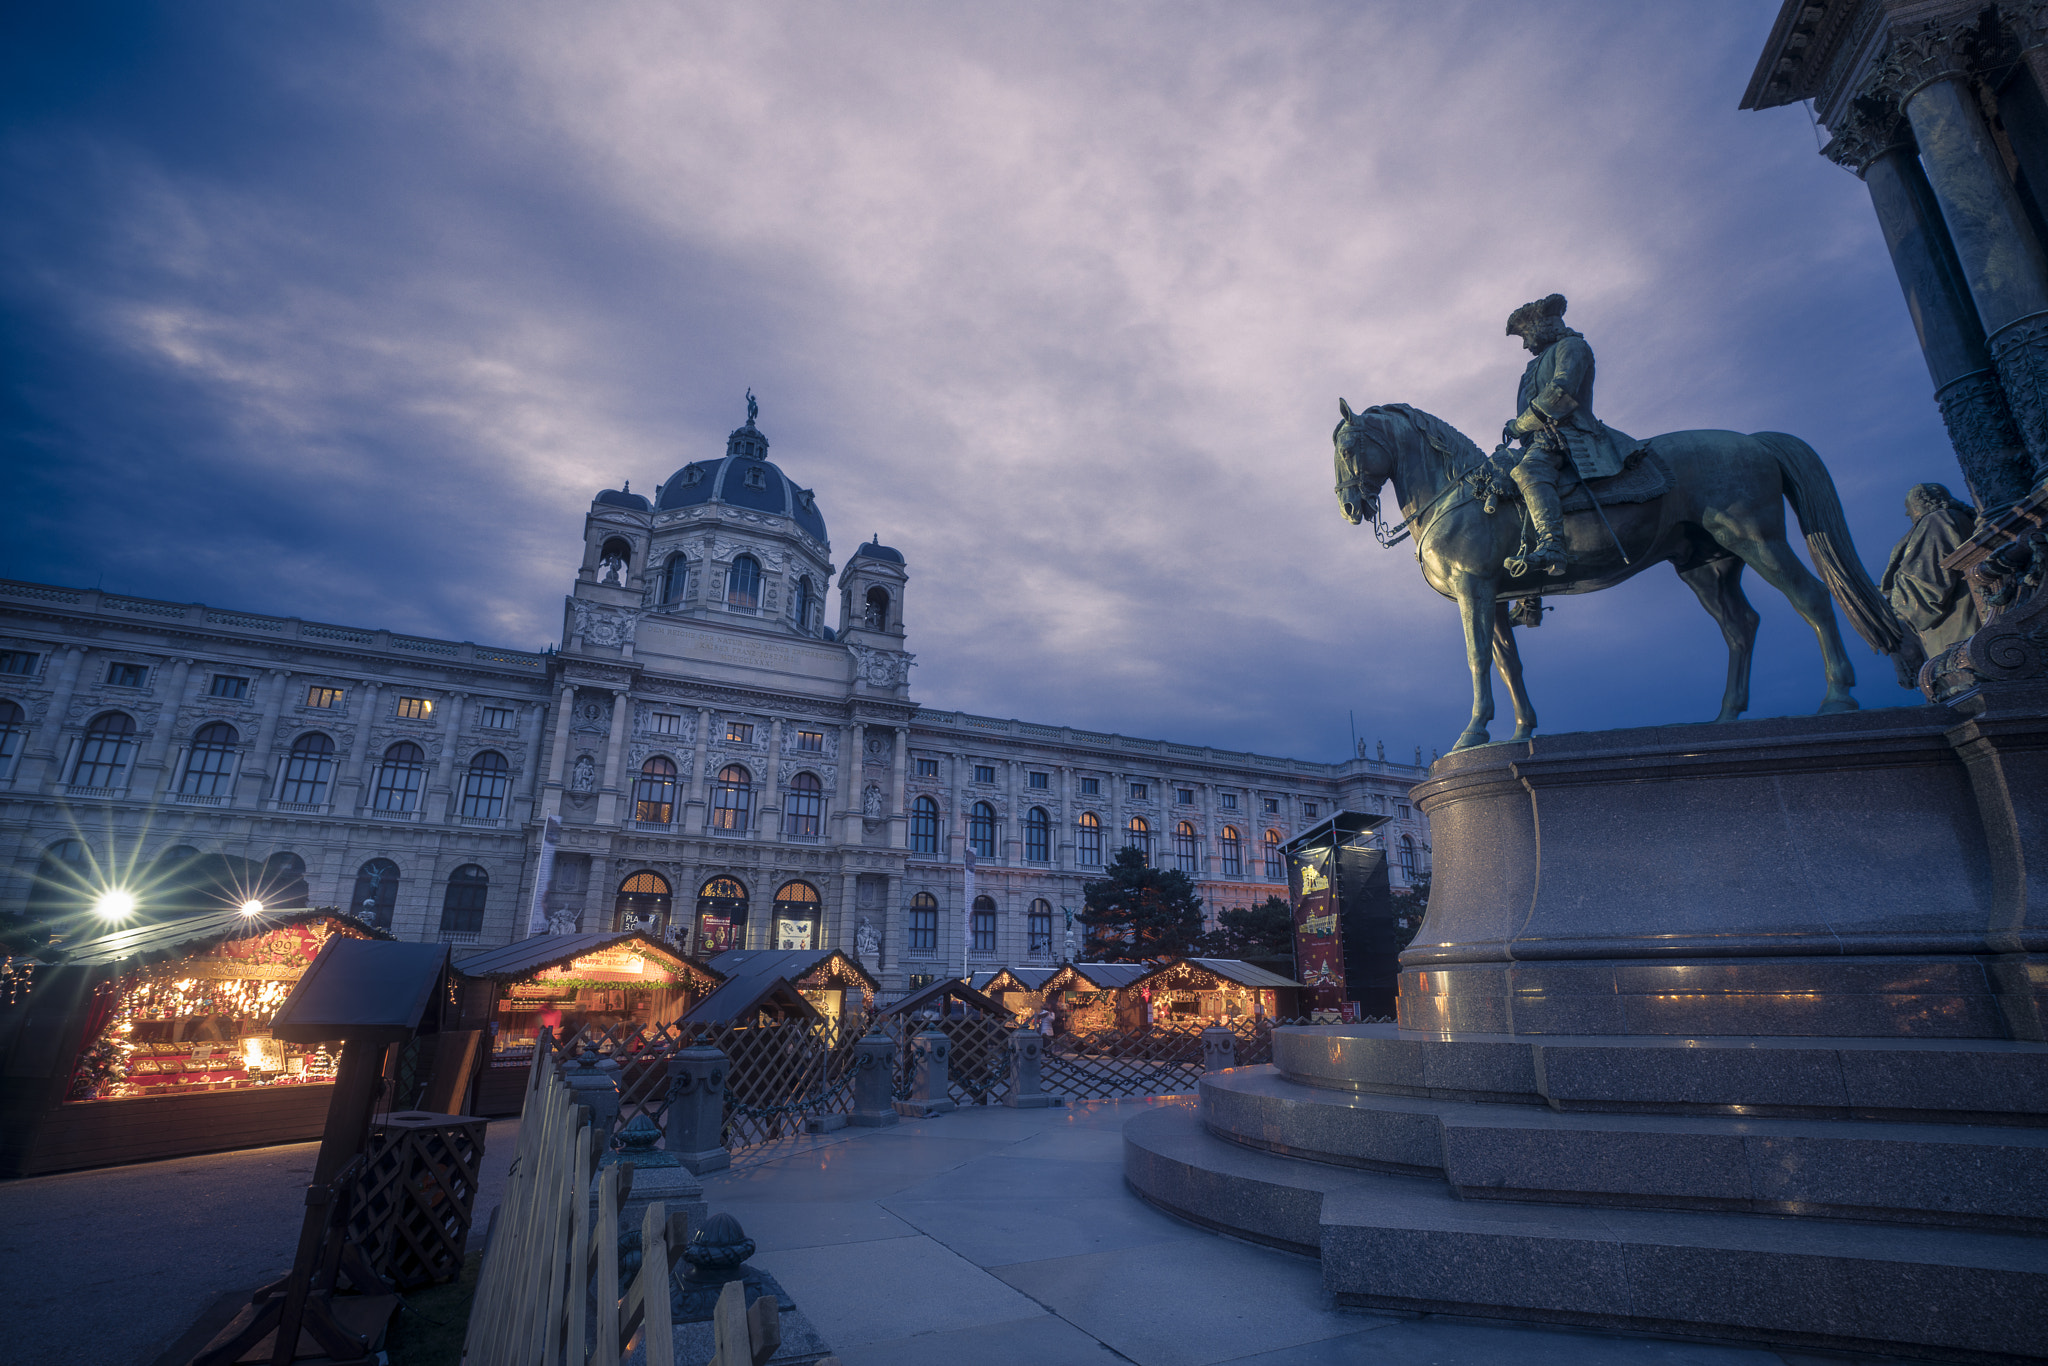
1475, 736
1835, 704
1728, 716
1522, 733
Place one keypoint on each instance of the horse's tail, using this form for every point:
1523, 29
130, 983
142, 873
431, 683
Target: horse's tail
1814, 502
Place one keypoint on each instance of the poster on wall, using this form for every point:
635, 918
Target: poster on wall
1318, 944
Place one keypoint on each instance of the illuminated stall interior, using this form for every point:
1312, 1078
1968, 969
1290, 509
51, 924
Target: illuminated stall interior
1021, 991
837, 987
564, 982
1088, 997
1209, 991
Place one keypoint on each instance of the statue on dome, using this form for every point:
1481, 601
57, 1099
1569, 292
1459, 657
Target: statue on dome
753, 408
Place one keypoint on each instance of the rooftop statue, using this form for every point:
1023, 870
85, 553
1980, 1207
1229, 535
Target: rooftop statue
1708, 502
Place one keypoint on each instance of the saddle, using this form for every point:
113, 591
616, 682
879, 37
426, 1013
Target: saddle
1644, 476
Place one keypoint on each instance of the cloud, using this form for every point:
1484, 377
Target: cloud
1057, 298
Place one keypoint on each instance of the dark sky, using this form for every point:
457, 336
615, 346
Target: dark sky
345, 311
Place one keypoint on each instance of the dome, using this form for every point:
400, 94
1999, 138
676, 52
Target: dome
745, 478
618, 499
875, 550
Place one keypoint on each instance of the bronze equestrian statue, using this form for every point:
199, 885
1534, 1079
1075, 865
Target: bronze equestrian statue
1709, 502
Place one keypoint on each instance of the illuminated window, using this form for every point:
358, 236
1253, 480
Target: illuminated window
229, 686
462, 905
1138, 792
927, 768
924, 826
733, 799
323, 698
109, 745
1187, 849
1272, 806
1233, 853
643, 904
414, 709
398, 779
307, 770
1088, 840
796, 915
982, 925
1139, 837
485, 785
210, 761
1038, 928
721, 915
981, 830
743, 585
126, 675
1038, 835
739, 733
1276, 867
805, 812
654, 796
812, 741
924, 924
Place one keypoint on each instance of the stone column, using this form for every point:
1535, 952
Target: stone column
930, 1082
700, 817
1026, 1055
874, 1079
1877, 146
535, 717
770, 823
899, 819
614, 759
955, 827
152, 762
565, 711
1066, 836
851, 738
353, 779
1219, 1049
50, 770
252, 780
1011, 845
696, 1109
1114, 838
2001, 258
445, 782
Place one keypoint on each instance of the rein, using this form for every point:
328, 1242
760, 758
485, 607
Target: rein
1416, 525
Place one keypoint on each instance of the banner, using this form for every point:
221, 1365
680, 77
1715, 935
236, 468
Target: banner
1318, 943
537, 920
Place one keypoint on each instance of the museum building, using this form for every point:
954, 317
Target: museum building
703, 759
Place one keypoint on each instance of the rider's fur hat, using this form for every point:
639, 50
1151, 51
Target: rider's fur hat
1530, 315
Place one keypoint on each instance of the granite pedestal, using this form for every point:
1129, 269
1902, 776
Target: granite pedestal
1727, 1031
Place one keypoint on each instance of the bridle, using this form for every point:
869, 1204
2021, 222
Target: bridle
1391, 536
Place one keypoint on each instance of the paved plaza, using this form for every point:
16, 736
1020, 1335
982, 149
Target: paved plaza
989, 1235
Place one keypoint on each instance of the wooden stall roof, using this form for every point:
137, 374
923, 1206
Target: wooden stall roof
745, 993
795, 964
1015, 979
980, 980
1230, 970
932, 993
126, 950
366, 992
1096, 976
537, 953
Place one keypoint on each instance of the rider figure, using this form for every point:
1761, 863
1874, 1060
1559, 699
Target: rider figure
1554, 419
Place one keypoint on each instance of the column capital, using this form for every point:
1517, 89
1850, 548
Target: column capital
1920, 57
1874, 126
2028, 20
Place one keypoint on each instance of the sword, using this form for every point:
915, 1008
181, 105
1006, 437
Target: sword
1558, 437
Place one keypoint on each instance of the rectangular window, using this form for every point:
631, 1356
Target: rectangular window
414, 709
924, 929
812, 740
1308, 811
927, 768
984, 773
18, 661
1041, 781
1272, 806
920, 979
739, 733
1039, 928
1229, 801
1138, 792
230, 687
323, 698
666, 723
1091, 787
126, 675
1184, 795
495, 718
1402, 811
984, 931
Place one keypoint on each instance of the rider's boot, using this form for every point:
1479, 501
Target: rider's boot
1537, 479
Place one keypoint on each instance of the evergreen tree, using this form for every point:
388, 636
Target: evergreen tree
1410, 904
1262, 931
1139, 912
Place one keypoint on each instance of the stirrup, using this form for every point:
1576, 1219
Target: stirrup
1548, 555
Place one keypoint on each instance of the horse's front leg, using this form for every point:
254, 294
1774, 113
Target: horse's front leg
1475, 605
1508, 659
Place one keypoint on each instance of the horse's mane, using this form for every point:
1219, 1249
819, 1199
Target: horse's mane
1451, 451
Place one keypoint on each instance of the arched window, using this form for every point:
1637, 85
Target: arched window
721, 915
399, 777
1038, 835
924, 924
1276, 867
64, 881
924, 826
210, 763
1139, 837
983, 925
805, 813
1038, 928
284, 883
800, 602
743, 585
796, 915
13, 735
1088, 842
1408, 855
732, 799
1233, 852
643, 904
462, 905
981, 830
485, 785
1187, 849
307, 769
614, 560
876, 616
109, 745
654, 798
675, 578
376, 892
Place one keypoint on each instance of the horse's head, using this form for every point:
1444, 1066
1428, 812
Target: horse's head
1363, 465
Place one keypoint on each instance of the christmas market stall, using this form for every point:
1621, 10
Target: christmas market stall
1021, 991
564, 982
1213, 991
155, 1042
840, 988
1088, 998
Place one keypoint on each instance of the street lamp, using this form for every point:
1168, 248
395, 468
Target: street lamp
252, 907
115, 903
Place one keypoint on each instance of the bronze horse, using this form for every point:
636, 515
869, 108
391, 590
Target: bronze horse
1725, 509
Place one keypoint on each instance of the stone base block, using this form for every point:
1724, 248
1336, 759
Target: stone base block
711, 1160
924, 1109
824, 1124
873, 1119
1037, 1102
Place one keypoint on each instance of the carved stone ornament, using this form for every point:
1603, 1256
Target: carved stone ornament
2028, 20
867, 940
2020, 350
598, 626
592, 714
1873, 127
871, 800
583, 776
881, 668
1922, 56
1986, 441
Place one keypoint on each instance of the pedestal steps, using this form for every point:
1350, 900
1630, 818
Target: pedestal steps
1400, 1242
1971, 1176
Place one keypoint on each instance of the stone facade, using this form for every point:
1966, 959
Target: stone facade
700, 722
